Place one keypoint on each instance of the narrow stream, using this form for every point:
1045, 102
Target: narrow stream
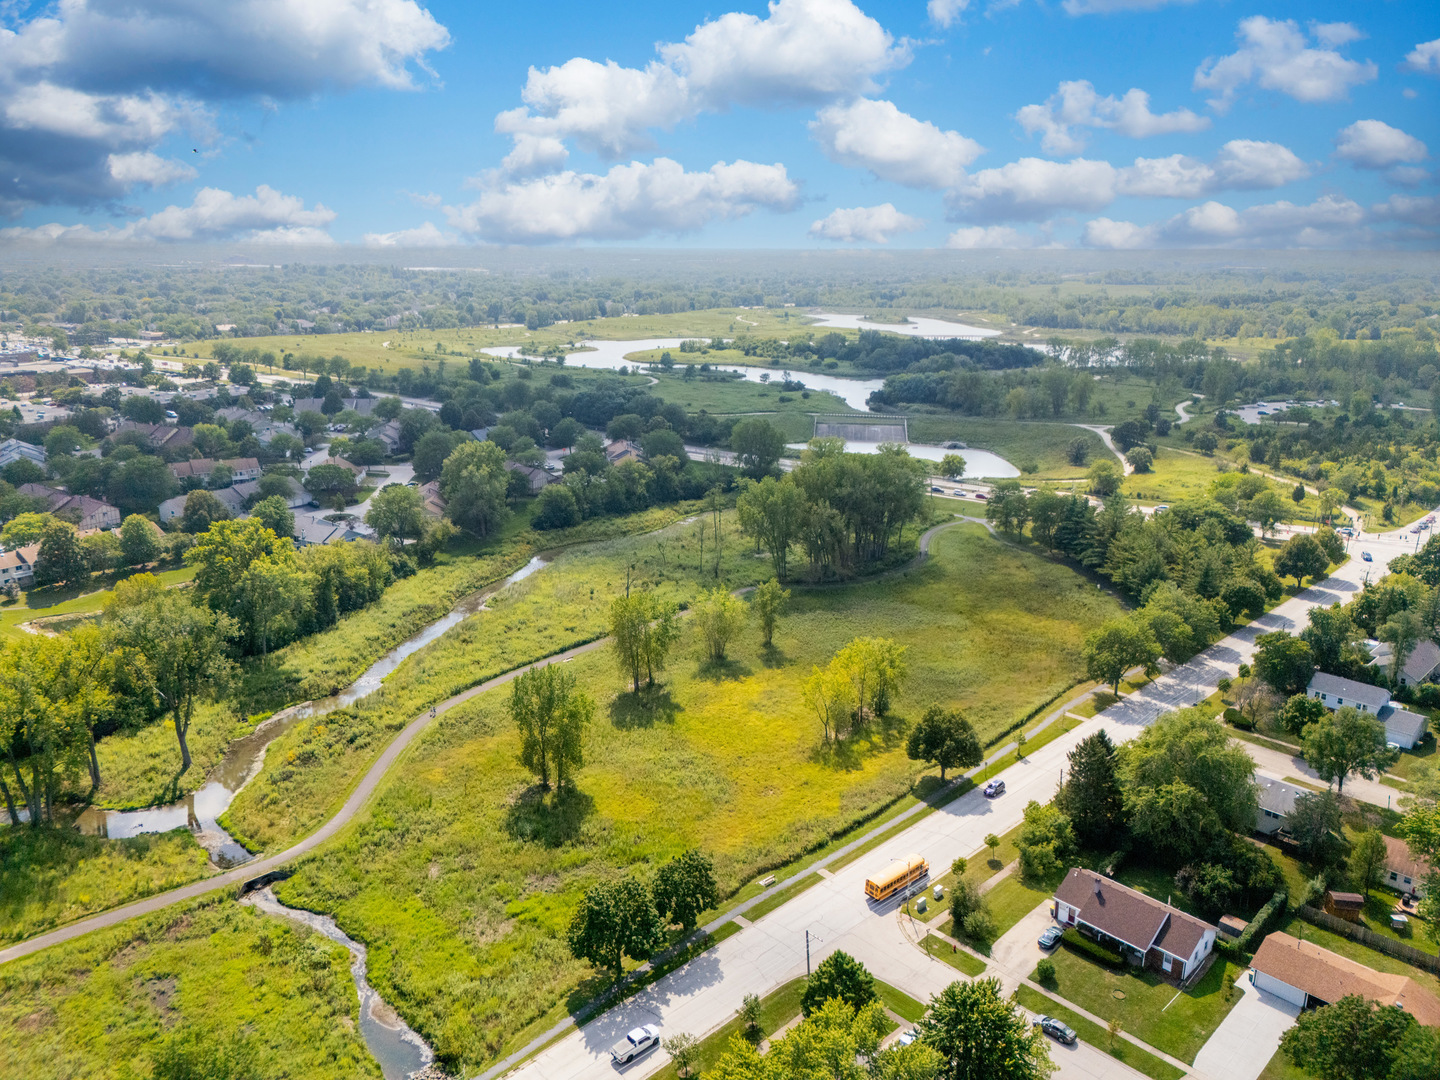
396, 1047
198, 810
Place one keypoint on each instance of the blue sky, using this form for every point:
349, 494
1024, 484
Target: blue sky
804, 124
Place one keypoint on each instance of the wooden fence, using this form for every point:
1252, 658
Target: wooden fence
1363, 934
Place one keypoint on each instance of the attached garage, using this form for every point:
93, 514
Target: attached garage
1282, 990
1304, 974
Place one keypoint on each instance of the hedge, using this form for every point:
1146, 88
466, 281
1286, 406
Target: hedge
1078, 942
1264, 921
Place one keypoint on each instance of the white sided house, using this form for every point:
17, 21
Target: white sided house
1402, 871
1146, 932
1275, 804
1403, 729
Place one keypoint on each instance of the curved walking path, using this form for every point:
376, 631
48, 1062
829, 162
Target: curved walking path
357, 800
1103, 431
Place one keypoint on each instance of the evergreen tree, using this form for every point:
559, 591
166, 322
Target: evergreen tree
1091, 795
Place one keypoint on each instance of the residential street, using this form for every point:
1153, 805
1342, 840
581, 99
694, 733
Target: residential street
705, 993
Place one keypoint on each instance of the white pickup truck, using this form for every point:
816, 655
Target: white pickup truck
635, 1043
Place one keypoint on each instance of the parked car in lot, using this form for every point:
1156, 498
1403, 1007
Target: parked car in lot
1366, 556
993, 788
637, 1042
1056, 1030
1051, 937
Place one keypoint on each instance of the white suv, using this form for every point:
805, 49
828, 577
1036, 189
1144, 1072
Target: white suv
636, 1043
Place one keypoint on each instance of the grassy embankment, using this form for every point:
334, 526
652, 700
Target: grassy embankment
103, 1006
45, 882
1017, 442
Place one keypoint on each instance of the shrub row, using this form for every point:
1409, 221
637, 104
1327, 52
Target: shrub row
1264, 921
1078, 942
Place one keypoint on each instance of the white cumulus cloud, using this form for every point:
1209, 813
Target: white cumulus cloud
803, 52
1374, 144
148, 169
868, 224
893, 145
945, 12
84, 83
1032, 188
1077, 105
268, 216
1276, 55
1422, 210
1424, 58
988, 236
1329, 221
628, 202
428, 235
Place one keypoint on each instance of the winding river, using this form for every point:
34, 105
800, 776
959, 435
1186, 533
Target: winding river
394, 1044
198, 810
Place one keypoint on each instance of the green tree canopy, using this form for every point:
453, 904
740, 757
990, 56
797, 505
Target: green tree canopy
945, 737
980, 1035
685, 886
552, 716
1344, 742
1090, 795
615, 920
839, 976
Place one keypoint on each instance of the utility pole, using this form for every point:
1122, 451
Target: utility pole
807, 954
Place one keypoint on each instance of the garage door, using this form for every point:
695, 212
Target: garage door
1280, 989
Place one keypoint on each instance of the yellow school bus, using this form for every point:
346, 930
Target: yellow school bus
896, 876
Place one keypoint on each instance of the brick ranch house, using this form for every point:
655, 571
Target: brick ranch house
1145, 931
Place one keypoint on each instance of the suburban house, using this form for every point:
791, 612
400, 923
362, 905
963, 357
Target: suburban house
363, 406
17, 567
230, 498
387, 433
1402, 727
159, 435
1304, 974
1420, 665
1276, 804
622, 450
13, 450
538, 479
357, 471
1403, 872
1147, 932
295, 498
314, 529
85, 512
434, 501
240, 468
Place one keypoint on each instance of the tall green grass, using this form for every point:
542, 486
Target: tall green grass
461, 877
101, 1007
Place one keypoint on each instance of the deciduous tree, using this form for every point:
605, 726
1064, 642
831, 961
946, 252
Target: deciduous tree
1347, 741
945, 737
1118, 646
1301, 557
1351, 1039
473, 482
684, 887
139, 543
551, 715
397, 514
982, 1036
1367, 859
769, 602
839, 976
719, 617
773, 512
615, 920
1285, 662
1045, 842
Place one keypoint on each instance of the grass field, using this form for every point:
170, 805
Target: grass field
102, 1006
461, 877
1151, 1009
52, 876
389, 351
48, 603
1016, 441
1097, 1036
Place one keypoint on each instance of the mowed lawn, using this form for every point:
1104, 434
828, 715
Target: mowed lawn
1147, 1006
1018, 441
462, 877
